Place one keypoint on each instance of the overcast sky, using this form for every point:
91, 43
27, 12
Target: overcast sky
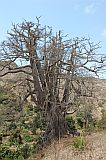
74, 17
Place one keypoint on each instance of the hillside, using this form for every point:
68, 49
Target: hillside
99, 85
100, 90
10, 77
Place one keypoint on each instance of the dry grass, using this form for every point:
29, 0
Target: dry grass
95, 149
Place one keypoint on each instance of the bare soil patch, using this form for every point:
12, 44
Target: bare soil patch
63, 150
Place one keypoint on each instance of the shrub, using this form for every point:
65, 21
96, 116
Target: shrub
13, 152
101, 124
28, 138
85, 120
79, 143
25, 151
70, 123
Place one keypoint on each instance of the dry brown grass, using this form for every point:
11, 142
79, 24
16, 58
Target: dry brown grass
95, 149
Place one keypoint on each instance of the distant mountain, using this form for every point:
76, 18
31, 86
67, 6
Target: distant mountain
4, 67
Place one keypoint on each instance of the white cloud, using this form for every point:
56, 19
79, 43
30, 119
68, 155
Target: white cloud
104, 32
90, 9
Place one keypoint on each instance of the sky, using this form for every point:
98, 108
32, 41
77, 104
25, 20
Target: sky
78, 18
73, 17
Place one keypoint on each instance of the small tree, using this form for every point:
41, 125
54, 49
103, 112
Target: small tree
53, 67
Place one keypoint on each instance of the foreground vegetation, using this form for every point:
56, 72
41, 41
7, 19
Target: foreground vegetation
19, 133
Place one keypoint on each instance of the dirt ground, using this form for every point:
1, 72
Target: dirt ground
95, 149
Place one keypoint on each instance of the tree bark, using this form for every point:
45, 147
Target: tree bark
56, 125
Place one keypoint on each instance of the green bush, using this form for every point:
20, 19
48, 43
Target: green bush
14, 148
28, 138
20, 139
15, 152
79, 143
25, 151
101, 124
70, 123
85, 120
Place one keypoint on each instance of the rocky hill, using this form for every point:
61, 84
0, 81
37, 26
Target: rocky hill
99, 96
5, 67
100, 90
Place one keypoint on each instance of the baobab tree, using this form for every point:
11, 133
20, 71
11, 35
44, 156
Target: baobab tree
54, 69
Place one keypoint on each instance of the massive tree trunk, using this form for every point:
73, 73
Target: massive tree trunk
56, 124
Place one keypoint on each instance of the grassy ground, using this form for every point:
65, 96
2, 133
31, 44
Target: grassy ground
95, 149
